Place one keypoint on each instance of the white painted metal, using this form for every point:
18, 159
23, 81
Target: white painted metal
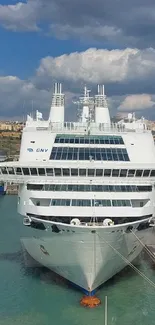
101, 108
88, 261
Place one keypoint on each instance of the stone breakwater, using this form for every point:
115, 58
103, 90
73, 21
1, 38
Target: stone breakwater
12, 189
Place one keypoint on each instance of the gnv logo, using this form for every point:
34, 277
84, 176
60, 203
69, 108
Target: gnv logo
37, 150
41, 150
29, 149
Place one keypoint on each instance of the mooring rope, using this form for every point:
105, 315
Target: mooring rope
129, 263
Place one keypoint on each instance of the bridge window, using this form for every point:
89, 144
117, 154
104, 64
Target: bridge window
72, 153
106, 139
146, 173
4, 170
115, 172
123, 172
11, 171
57, 171
18, 171
152, 173
91, 172
74, 172
107, 172
66, 171
139, 172
33, 171
131, 172
26, 171
82, 172
99, 172
41, 171
49, 171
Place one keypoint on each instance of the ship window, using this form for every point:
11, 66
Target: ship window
4, 170
33, 171
49, 171
18, 171
107, 172
66, 171
74, 172
57, 171
82, 172
92, 139
123, 172
152, 173
146, 173
139, 172
32, 141
89, 187
115, 172
131, 172
35, 187
99, 172
26, 171
91, 172
11, 170
69, 153
41, 171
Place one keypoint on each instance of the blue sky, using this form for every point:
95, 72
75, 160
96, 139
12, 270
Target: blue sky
77, 43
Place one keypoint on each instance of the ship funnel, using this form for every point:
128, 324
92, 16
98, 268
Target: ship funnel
57, 107
101, 108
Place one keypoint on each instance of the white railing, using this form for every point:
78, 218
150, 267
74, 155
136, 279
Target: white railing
84, 128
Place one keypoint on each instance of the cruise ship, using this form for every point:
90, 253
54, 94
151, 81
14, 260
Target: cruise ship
86, 189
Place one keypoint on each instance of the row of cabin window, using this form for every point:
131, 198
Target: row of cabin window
95, 203
78, 172
89, 188
79, 153
89, 139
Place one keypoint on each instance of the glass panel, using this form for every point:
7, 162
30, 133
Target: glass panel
99, 172
131, 172
57, 171
139, 172
74, 172
66, 153
107, 172
41, 171
49, 172
146, 173
123, 172
26, 171
18, 171
66, 172
82, 172
4, 170
91, 172
115, 172
11, 171
33, 171
152, 173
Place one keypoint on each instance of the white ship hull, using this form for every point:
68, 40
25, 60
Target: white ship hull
86, 259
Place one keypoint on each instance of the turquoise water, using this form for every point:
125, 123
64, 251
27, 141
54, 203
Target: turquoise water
34, 296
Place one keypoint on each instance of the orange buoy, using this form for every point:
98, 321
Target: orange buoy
90, 301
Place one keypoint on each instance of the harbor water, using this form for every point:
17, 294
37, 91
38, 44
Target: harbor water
31, 295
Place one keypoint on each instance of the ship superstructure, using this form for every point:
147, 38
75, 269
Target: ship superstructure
86, 190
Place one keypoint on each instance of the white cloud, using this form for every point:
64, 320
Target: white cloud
136, 102
123, 72
17, 96
20, 16
97, 66
127, 23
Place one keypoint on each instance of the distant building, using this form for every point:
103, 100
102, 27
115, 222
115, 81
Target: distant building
3, 155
